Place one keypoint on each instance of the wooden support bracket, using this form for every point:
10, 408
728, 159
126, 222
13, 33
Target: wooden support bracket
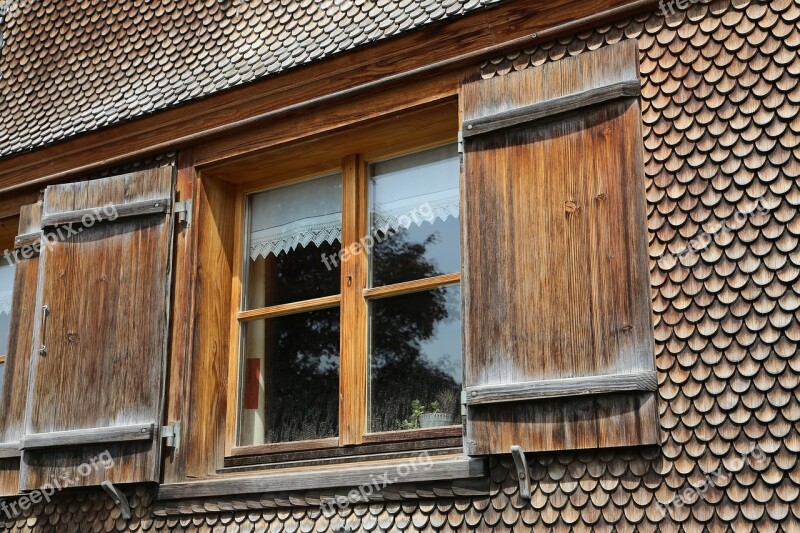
523, 475
119, 498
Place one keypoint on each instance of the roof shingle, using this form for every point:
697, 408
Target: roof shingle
72, 66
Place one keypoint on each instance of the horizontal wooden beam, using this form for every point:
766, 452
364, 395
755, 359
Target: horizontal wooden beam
560, 388
10, 450
410, 470
81, 437
549, 109
108, 212
29, 239
317, 304
409, 287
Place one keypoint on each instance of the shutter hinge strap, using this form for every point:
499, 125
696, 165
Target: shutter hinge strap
523, 474
172, 435
184, 212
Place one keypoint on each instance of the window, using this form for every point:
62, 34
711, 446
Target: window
349, 318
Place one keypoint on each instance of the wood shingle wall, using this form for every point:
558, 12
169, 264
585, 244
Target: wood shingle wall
721, 133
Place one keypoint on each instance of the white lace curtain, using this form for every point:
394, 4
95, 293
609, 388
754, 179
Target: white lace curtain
6, 287
415, 189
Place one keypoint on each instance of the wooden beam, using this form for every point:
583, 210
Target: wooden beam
409, 287
101, 213
10, 450
550, 109
415, 470
561, 388
459, 42
325, 302
29, 239
82, 437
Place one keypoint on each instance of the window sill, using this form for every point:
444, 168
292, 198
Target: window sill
420, 469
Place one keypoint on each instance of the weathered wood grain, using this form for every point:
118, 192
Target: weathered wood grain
117, 344
556, 276
325, 477
551, 109
82, 437
564, 387
108, 212
20, 344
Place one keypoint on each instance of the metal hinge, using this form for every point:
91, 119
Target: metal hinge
172, 435
460, 142
184, 212
463, 403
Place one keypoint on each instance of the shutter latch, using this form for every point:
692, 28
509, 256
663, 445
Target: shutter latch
183, 210
523, 474
172, 435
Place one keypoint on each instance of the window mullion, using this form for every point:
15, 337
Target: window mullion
353, 369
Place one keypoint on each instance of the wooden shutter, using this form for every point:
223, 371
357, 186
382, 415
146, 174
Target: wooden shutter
97, 371
558, 340
20, 343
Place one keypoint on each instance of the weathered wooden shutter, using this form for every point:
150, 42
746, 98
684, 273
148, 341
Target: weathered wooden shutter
20, 342
97, 372
558, 340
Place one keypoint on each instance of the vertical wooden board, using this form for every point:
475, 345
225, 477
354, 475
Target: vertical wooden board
20, 343
570, 424
107, 286
353, 346
208, 369
627, 420
556, 255
535, 426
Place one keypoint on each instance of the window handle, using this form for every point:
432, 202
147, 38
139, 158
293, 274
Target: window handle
45, 313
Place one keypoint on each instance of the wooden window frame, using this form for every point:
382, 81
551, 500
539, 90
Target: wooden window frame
353, 302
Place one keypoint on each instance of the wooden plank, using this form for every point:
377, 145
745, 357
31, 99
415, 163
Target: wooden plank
409, 287
9, 450
108, 212
284, 447
13, 394
413, 434
215, 233
182, 302
11, 203
324, 302
83, 437
551, 109
559, 388
29, 239
436, 469
121, 340
572, 298
353, 331
463, 41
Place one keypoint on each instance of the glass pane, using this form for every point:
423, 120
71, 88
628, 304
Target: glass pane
414, 202
6, 291
290, 378
415, 360
294, 242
